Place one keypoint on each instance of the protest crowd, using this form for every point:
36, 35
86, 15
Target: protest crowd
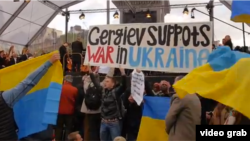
11, 57
106, 110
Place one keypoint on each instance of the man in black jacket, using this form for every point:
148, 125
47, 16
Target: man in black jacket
111, 108
77, 49
63, 54
134, 113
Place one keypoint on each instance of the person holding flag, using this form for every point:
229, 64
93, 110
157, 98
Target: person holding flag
10, 97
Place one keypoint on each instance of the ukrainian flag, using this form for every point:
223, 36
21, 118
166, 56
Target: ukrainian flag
39, 107
241, 11
225, 78
153, 127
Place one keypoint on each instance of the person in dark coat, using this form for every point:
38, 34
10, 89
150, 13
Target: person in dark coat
77, 49
25, 54
14, 59
2, 60
134, 113
63, 52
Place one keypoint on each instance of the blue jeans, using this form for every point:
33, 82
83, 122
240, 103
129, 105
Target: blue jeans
110, 130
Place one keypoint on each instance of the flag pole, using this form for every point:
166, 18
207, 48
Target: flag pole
210, 8
244, 38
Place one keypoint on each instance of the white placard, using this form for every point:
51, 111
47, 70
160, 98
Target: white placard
168, 47
137, 86
103, 69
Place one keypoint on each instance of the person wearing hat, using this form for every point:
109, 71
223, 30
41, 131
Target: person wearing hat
66, 108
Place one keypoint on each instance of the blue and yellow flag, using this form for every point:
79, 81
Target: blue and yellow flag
225, 78
40, 106
240, 11
153, 127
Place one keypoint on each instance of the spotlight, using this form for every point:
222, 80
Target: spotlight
148, 15
82, 16
116, 15
16, 0
192, 13
185, 11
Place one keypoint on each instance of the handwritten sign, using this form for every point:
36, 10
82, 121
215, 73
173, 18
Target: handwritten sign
137, 86
176, 47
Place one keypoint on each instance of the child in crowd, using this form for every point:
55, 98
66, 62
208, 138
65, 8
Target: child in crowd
119, 139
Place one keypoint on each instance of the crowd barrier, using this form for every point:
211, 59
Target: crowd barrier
77, 79
156, 78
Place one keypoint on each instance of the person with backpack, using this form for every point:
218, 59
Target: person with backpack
91, 107
112, 109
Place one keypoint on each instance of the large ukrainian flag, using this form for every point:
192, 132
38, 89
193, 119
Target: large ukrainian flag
153, 127
225, 78
240, 11
39, 107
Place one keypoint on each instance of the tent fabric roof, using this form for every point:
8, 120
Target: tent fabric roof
21, 22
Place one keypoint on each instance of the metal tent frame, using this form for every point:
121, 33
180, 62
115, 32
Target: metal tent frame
49, 3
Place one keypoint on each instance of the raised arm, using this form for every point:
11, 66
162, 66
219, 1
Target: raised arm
93, 78
13, 95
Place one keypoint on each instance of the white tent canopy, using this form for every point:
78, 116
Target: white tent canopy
22, 22
227, 3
